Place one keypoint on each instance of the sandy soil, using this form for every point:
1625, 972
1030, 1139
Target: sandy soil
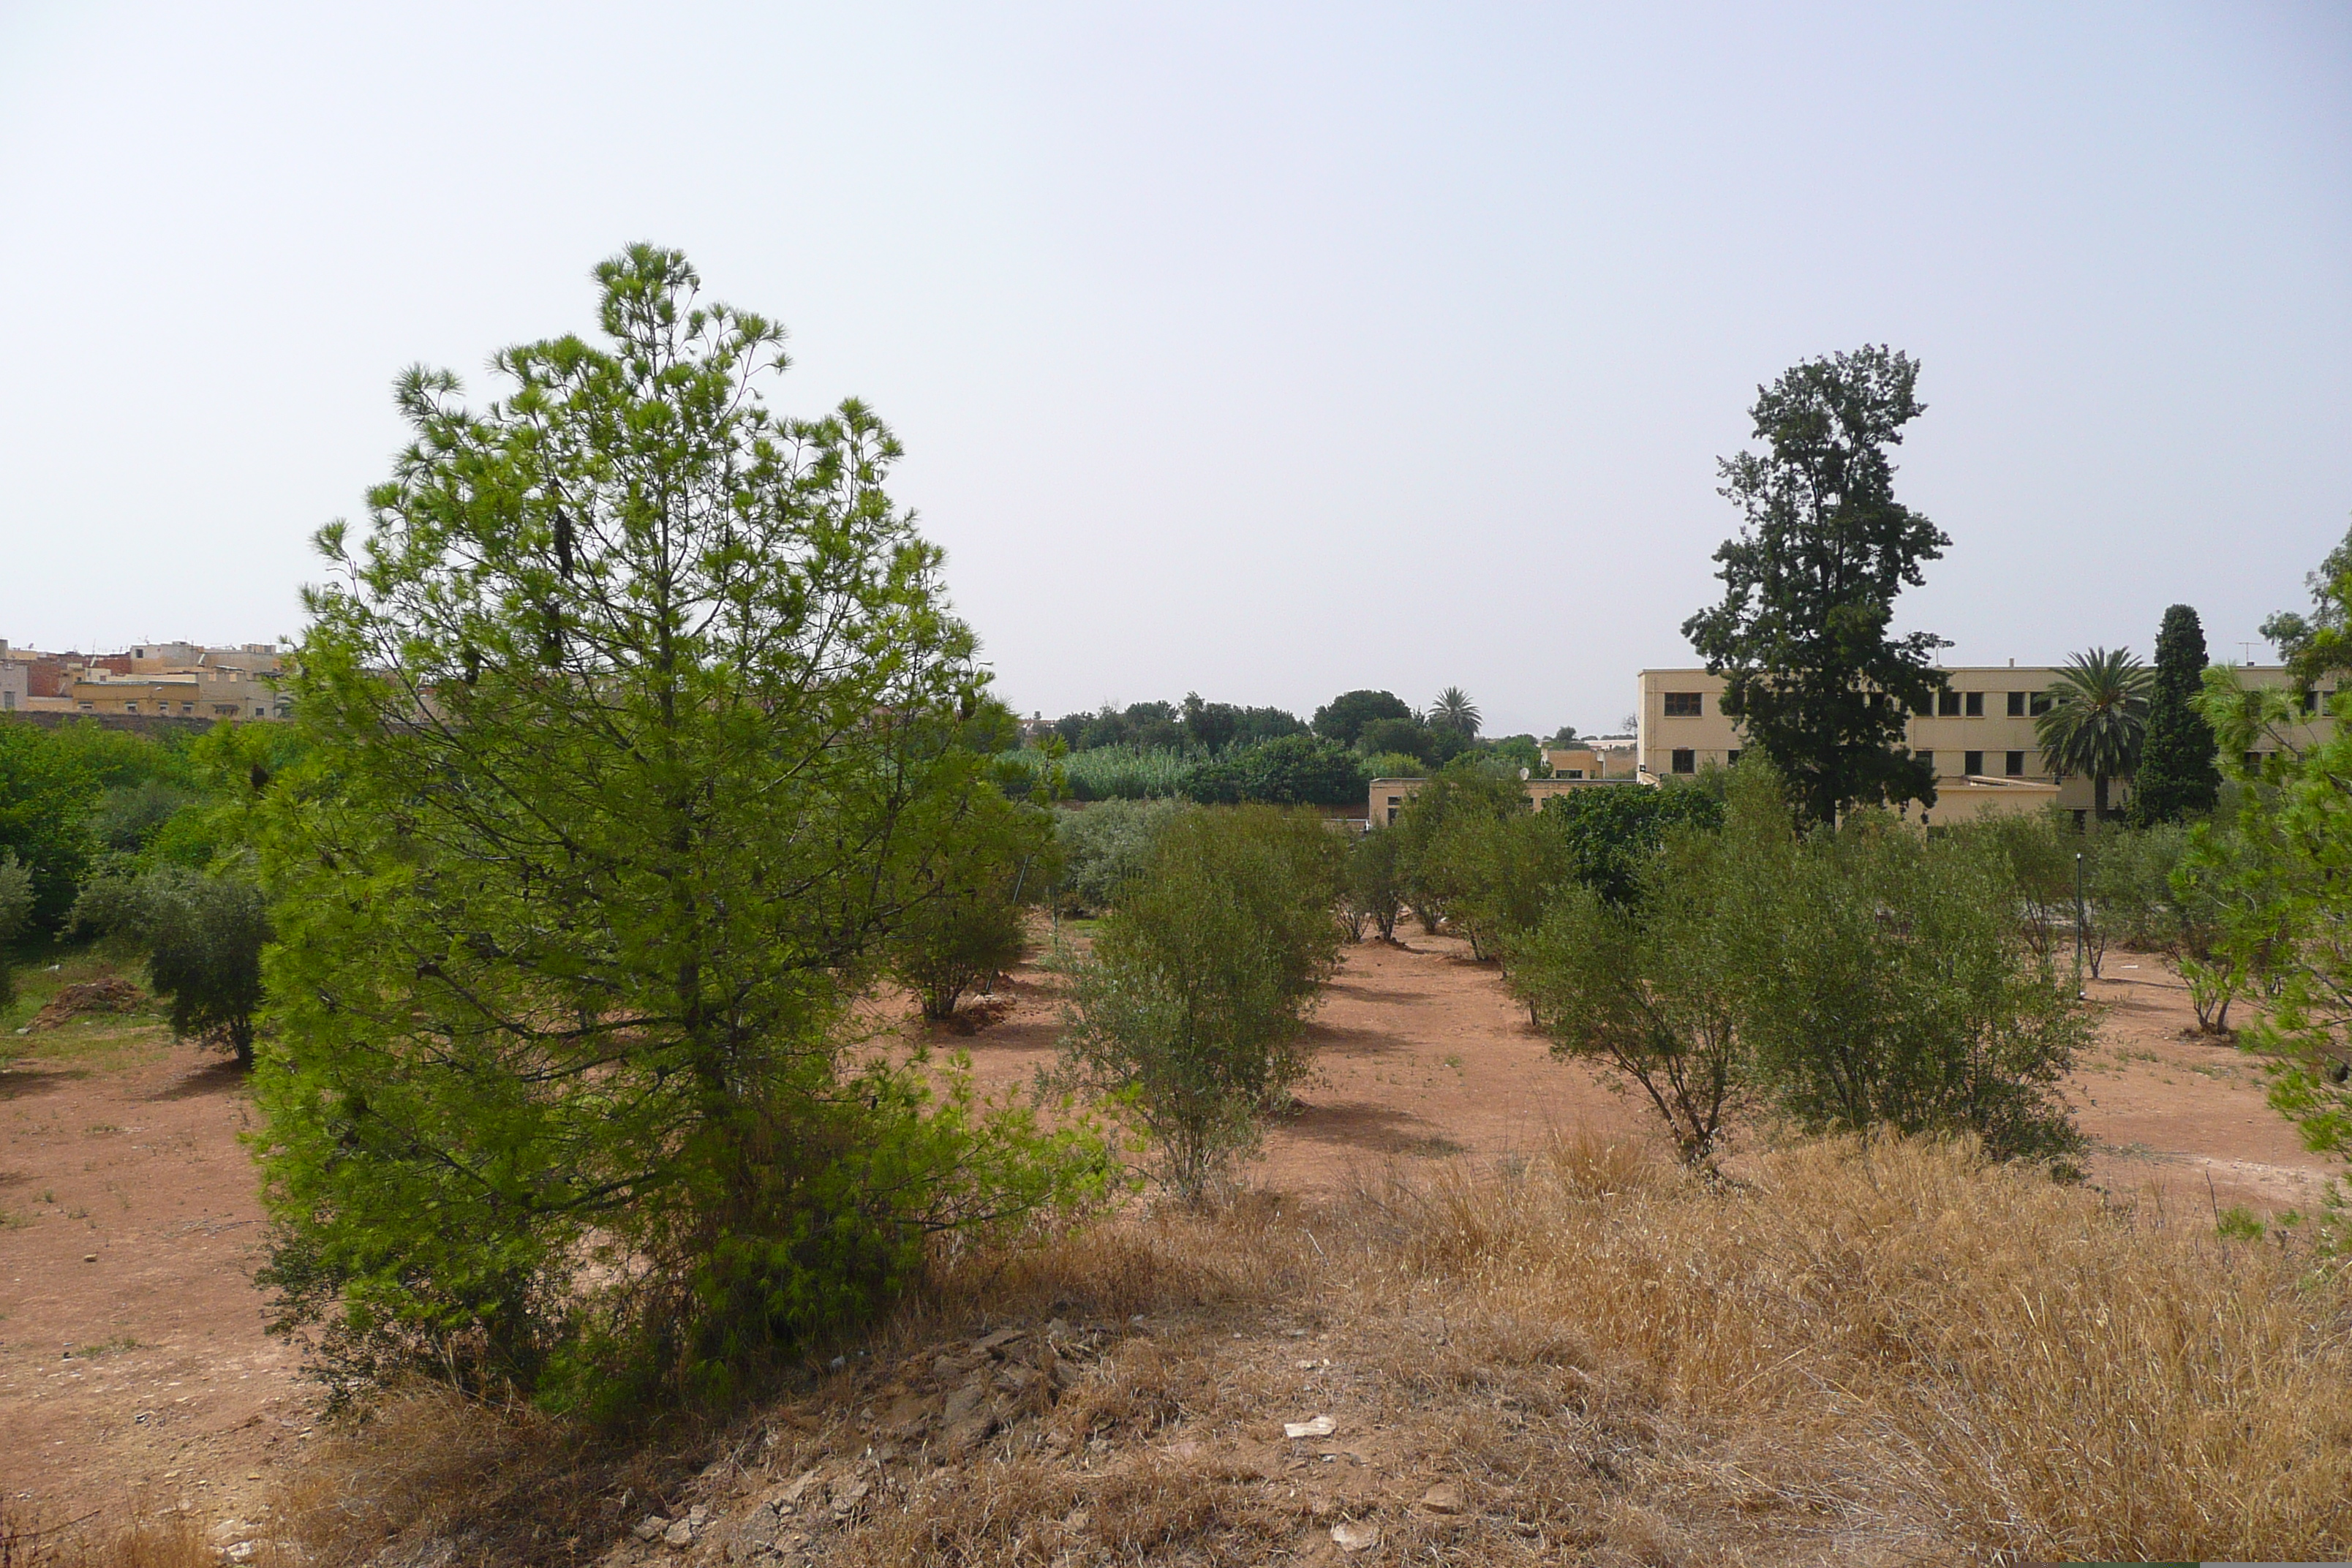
118, 1147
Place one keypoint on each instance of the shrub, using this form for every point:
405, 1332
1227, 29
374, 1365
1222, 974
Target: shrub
1128, 773
965, 921
202, 937
16, 915
1190, 1009
1103, 847
1291, 770
1611, 830
1375, 883
1432, 868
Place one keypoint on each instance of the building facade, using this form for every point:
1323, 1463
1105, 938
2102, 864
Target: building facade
1979, 739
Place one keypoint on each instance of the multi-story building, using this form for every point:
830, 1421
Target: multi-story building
1981, 738
177, 681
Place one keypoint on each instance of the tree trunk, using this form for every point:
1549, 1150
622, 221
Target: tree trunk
2099, 797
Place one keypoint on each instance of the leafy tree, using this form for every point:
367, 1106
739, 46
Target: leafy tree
631, 721
128, 816
1434, 873
1252, 725
1405, 737
1884, 986
1191, 1010
1296, 770
1344, 717
1497, 871
1375, 881
1209, 725
1453, 711
1648, 989
46, 791
1395, 765
17, 897
1105, 847
203, 938
2177, 776
2321, 642
1519, 751
965, 917
2097, 719
1610, 832
1565, 736
1800, 637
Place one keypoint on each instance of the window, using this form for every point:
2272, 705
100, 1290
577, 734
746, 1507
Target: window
1682, 705
2017, 704
1976, 704
1686, 761
2037, 703
1925, 707
1927, 761
2311, 700
2015, 766
2254, 760
1572, 774
130, 708
1948, 704
226, 709
1733, 756
1973, 763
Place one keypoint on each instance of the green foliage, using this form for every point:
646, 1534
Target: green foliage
1296, 770
1609, 831
1885, 985
965, 921
16, 899
1809, 584
203, 938
2132, 896
633, 722
2177, 776
1374, 881
1106, 847
1433, 870
1400, 737
1515, 752
2097, 719
2320, 643
1647, 988
47, 786
1344, 717
128, 816
1191, 1010
1128, 773
1394, 765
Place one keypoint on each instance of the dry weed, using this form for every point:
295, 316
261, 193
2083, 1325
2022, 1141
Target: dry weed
1867, 1352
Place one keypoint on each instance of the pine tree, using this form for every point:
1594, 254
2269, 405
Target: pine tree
2176, 772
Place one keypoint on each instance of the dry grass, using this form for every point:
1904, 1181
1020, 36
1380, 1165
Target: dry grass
1883, 1353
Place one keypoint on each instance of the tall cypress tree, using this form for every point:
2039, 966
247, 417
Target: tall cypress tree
2176, 772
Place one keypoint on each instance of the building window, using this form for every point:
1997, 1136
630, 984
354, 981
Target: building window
1732, 756
2254, 761
1683, 705
2015, 766
1927, 761
1686, 761
1976, 704
1948, 704
2311, 700
2017, 704
130, 708
1973, 763
2037, 703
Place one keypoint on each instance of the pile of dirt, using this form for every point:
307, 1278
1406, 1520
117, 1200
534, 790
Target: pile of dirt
94, 997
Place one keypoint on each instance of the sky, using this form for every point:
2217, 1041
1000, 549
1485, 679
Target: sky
1259, 350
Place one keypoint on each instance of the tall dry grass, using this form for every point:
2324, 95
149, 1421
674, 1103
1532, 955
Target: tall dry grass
1883, 1352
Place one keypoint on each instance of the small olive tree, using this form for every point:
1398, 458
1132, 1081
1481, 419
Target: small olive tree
965, 918
1375, 884
15, 915
202, 936
1190, 1011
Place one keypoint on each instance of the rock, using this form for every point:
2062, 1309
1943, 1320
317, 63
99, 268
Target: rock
1443, 1498
698, 1516
1349, 1535
242, 1551
785, 1498
846, 1497
754, 1534
907, 1416
679, 1534
995, 1343
1318, 1427
650, 1527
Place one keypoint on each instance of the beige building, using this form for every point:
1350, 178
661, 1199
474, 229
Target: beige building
1979, 739
179, 680
1389, 796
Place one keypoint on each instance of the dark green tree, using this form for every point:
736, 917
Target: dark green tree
1800, 637
2097, 719
1296, 770
46, 792
1344, 717
2177, 775
203, 937
15, 914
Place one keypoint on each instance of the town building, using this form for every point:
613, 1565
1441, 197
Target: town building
1981, 738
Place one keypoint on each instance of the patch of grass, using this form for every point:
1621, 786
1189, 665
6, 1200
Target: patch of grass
11, 1220
113, 1345
2239, 1222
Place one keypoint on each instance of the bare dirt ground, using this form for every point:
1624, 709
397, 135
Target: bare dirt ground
134, 1371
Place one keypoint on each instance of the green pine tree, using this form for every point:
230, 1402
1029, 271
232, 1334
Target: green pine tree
2177, 776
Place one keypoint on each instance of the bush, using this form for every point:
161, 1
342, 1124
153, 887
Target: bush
1294, 770
1432, 868
1375, 883
1609, 831
15, 917
1190, 1009
1103, 847
965, 922
202, 937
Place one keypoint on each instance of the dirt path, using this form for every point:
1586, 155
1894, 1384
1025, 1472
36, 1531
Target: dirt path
132, 1361
116, 1146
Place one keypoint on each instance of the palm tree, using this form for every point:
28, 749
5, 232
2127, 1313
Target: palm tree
1454, 710
2097, 719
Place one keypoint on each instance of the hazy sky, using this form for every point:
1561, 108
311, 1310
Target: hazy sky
1264, 351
